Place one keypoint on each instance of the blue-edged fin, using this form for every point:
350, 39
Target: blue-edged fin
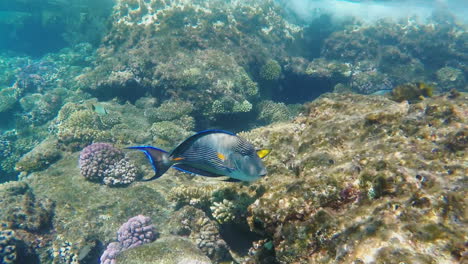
263, 152
158, 159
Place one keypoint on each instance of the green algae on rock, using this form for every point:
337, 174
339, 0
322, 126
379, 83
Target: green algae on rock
165, 250
347, 180
355, 173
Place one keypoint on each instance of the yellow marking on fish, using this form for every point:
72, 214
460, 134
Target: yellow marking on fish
178, 158
221, 156
263, 152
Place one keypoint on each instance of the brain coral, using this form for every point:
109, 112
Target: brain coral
101, 162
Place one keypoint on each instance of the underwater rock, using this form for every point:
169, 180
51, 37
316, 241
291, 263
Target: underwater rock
403, 50
78, 125
322, 68
22, 210
41, 157
201, 52
411, 92
346, 180
354, 170
7, 246
8, 98
168, 111
166, 250
202, 231
451, 78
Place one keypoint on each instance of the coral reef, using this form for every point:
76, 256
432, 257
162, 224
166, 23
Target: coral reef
80, 129
195, 51
41, 157
22, 210
201, 230
168, 134
321, 68
365, 179
101, 162
65, 253
168, 111
137, 231
411, 92
451, 78
166, 250
7, 246
8, 98
271, 112
270, 71
403, 51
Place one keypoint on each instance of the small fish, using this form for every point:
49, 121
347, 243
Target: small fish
382, 92
211, 153
99, 109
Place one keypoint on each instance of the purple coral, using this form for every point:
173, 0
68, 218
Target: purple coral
136, 231
101, 162
111, 252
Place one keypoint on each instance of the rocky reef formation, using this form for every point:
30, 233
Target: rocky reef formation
369, 57
354, 178
192, 50
32, 91
364, 179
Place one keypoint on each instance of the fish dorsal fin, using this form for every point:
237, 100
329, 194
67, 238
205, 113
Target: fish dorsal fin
188, 142
263, 152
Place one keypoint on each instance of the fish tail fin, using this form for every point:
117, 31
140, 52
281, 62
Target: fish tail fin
158, 158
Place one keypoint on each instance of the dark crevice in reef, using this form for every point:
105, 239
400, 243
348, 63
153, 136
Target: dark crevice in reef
234, 122
130, 91
238, 237
300, 88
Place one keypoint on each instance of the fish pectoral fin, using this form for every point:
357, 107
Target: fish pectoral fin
232, 180
178, 159
263, 153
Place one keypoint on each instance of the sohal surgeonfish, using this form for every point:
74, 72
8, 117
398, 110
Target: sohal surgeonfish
211, 153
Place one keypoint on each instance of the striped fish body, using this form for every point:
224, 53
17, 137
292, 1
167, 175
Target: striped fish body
211, 153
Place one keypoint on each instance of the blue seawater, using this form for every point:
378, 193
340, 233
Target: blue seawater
363, 104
